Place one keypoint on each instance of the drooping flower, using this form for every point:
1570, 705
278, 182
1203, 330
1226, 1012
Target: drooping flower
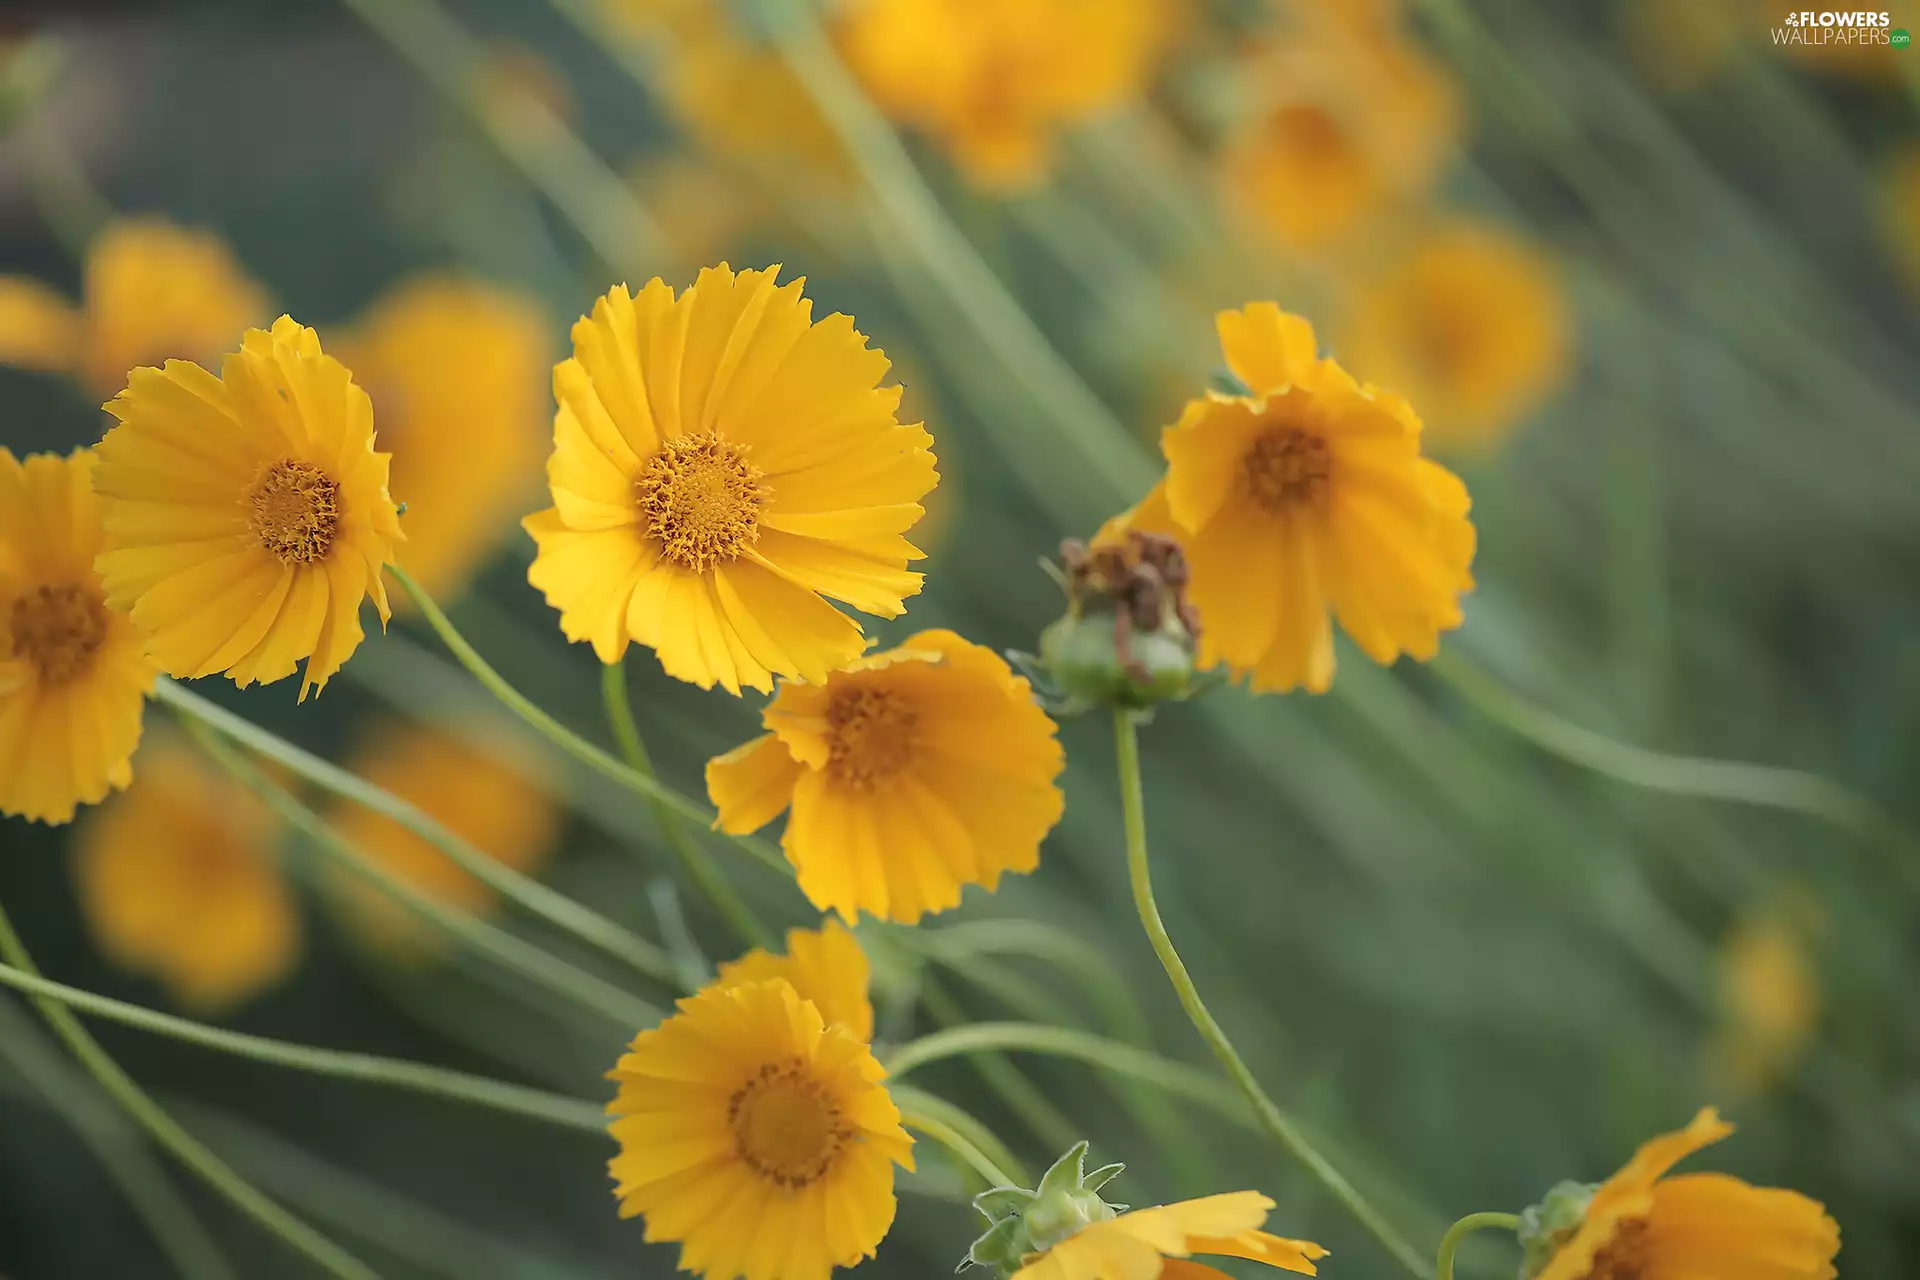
153, 291
1470, 325
177, 879
1304, 500
502, 809
824, 965
994, 80
757, 1136
247, 515
1641, 1224
910, 773
721, 464
457, 372
73, 679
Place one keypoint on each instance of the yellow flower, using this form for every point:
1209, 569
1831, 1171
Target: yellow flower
73, 680
1155, 1244
1470, 325
756, 1135
177, 879
1704, 1226
500, 809
910, 773
824, 965
992, 80
1900, 208
1769, 994
1305, 498
153, 291
721, 463
1343, 125
457, 371
247, 515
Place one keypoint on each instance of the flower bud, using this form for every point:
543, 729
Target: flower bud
1129, 633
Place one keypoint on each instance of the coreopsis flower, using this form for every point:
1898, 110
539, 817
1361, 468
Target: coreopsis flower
721, 464
457, 372
1641, 1224
757, 1135
994, 80
177, 880
247, 515
73, 678
1304, 500
910, 774
1470, 325
152, 291
1769, 994
824, 965
497, 804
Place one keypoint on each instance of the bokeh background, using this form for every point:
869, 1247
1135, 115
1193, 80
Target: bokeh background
1648, 274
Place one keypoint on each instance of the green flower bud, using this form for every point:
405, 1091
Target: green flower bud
1551, 1223
1030, 1222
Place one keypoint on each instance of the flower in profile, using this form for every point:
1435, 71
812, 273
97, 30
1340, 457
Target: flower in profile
247, 515
153, 291
1303, 500
756, 1135
73, 679
824, 965
1769, 993
503, 809
1642, 1223
910, 773
1470, 325
457, 371
721, 464
993, 80
177, 879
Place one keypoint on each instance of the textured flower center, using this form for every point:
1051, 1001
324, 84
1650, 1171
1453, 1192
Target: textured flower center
870, 734
1286, 467
1628, 1256
295, 511
1309, 132
786, 1126
59, 629
701, 499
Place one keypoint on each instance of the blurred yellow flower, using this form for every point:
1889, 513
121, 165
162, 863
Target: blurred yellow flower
824, 965
757, 1135
247, 515
1641, 1223
504, 810
706, 209
177, 879
1306, 497
1769, 994
73, 678
721, 464
1468, 323
1155, 1244
910, 773
1900, 208
152, 292
457, 371
1342, 125
993, 80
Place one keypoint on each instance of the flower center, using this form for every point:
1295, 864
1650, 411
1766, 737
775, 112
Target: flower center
701, 499
870, 735
295, 511
59, 629
786, 1126
1628, 1256
1286, 467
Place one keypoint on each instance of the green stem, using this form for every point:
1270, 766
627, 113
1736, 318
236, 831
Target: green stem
510, 952
566, 739
555, 908
1022, 1096
1450, 1243
961, 1134
166, 1131
704, 876
1276, 1122
393, 1073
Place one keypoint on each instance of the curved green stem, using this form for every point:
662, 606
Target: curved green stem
1023, 1097
1450, 1243
566, 739
960, 1133
394, 1073
1276, 1122
704, 876
555, 908
166, 1131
